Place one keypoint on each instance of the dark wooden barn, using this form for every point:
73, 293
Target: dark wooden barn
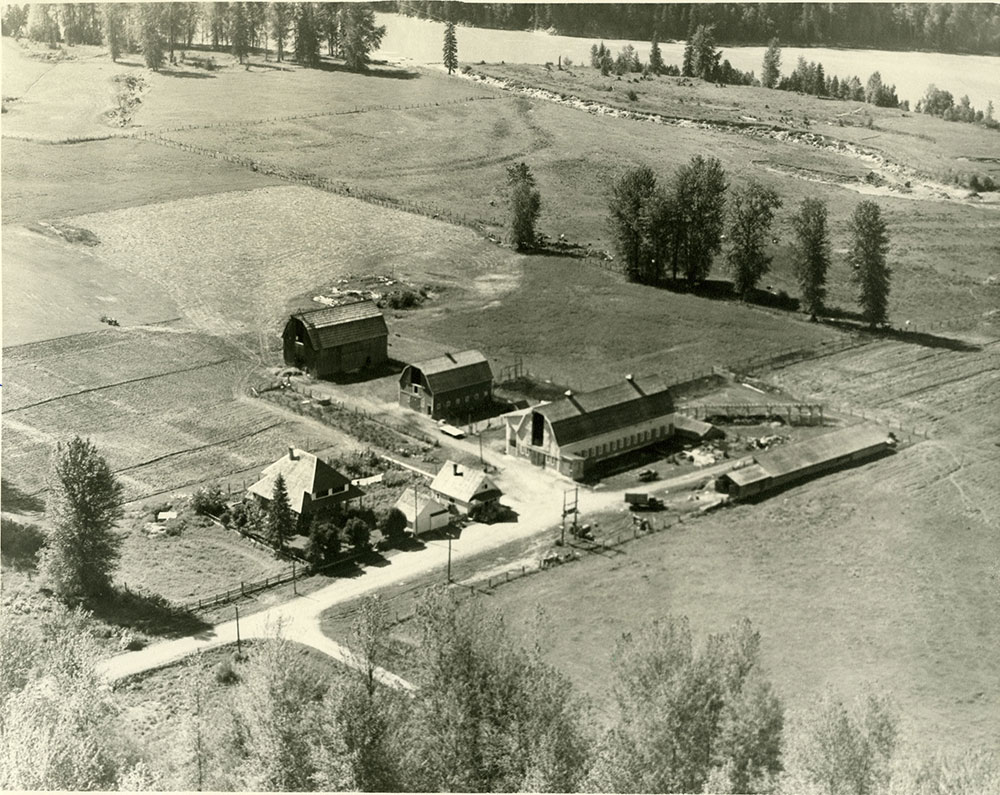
454, 385
337, 339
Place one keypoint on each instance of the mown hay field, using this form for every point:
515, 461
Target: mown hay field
245, 255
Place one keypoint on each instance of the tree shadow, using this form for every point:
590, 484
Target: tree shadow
922, 338
725, 290
389, 367
392, 74
16, 501
189, 75
147, 613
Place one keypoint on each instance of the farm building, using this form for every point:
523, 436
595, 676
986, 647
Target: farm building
454, 385
458, 487
573, 434
337, 339
423, 513
312, 484
801, 460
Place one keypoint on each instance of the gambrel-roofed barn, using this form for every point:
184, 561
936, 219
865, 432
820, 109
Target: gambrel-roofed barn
453, 385
572, 434
337, 339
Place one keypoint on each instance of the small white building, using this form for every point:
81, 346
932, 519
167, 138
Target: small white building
458, 487
423, 513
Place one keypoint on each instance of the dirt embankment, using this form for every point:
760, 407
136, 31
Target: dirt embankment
886, 178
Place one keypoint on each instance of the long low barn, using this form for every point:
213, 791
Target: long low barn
573, 434
797, 461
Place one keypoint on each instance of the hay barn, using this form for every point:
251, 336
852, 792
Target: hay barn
573, 434
337, 339
455, 385
793, 462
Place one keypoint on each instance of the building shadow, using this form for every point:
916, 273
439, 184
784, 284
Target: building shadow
388, 73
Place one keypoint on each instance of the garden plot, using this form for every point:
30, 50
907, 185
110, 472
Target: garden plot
244, 254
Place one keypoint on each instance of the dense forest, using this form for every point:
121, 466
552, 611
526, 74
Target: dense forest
942, 27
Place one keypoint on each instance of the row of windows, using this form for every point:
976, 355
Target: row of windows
467, 399
319, 495
625, 442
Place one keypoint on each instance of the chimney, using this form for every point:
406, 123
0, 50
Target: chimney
628, 377
291, 454
450, 357
572, 399
631, 379
454, 470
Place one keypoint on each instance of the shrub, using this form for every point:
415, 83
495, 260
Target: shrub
208, 501
632, 95
393, 525
403, 299
20, 543
225, 673
491, 512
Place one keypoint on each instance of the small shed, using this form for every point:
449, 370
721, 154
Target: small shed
311, 483
454, 385
458, 486
423, 513
337, 339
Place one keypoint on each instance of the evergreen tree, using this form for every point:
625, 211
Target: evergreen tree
306, 35
656, 64
699, 199
524, 203
812, 253
771, 68
867, 256
751, 211
151, 40
450, 48
280, 521
84, 505
360, 36
279, 18
704, 57
239, 30
113, 17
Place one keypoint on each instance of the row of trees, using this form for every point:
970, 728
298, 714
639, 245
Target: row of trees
944, 27
487, 715
348, 30
681, 223
937, 102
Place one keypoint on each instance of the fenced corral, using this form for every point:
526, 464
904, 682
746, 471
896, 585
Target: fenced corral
734, 413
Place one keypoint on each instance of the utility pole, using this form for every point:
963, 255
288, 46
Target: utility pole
449, 556
239, 647
416, 510
295, 588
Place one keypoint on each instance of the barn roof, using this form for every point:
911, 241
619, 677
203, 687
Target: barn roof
455, 371
747, 475
620, 405
304, 474
462, 483
829, 446
340, 325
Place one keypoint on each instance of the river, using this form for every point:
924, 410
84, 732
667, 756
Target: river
420, 41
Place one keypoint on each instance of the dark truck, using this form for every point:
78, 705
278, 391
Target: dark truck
643, 502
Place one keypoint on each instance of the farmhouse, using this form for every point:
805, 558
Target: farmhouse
312, 484
336, 339
453, 385
423, 513
797, 461
459, 487
573, 434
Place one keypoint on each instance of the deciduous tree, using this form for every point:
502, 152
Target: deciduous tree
867, 256
633, 209
450, 48
524, 204
84, 505
699, 198
812, 252
751, 211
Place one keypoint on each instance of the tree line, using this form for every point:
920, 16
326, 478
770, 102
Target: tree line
942, 27
679, 224
302, 30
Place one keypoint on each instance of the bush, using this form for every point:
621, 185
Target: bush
403, 299
225, 673
632, 95
244, 516
208, 501
359, 533
393, 525
20, 543
491, 513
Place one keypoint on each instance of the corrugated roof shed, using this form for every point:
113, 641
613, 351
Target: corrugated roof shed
304, 474
604, 410
748, 474
344, 324
463, 483
829, 446
455, 371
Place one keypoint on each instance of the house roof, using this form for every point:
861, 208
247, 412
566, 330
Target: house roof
339, 325
462, 483
455, 371
304, 474
620, 405
425, 503
829, 446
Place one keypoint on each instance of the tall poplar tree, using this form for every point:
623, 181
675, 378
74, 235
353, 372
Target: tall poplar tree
450, 48
770, 70
84, 505
812, 253
525, 204
751, 211
867, 256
